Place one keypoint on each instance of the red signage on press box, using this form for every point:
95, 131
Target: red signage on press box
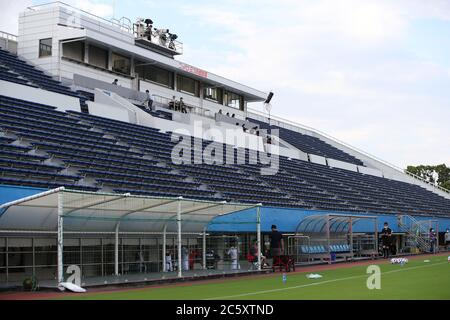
194, 70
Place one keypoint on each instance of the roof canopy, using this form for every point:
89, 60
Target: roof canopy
100, 212
337, 223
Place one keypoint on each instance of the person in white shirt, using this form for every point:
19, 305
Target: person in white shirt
185, 258
148, 102
169, 265
142, 266
233, 253
447, 238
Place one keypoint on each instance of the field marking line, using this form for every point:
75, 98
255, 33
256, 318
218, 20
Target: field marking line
319, 283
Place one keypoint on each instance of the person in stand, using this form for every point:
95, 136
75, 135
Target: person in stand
142, 264
173, 103
386, 237
212, 259
148, 102
233, 254
115, 82
447, 238
276, 243
192, 258
254, 254
185, 258
433, 240
182, 106
169, 265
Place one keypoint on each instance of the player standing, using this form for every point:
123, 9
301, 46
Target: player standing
386, 237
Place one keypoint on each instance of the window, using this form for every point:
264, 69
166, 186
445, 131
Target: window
233, 100
185, 84
98, 57
45, 47
154, 74
120, 63
213, 94
74, 50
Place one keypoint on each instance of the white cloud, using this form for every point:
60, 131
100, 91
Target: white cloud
9, 14
98, 8
362, 21
344, 67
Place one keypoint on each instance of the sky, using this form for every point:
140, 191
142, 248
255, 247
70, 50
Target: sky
372, 73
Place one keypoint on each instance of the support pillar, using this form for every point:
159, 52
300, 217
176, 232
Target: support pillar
204, 250
116, 250
164, 245
351, 236
86, 53
328, 238
376, 238
258, 233
437, 236
180, 274
60, 238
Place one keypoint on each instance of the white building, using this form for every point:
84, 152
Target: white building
71, 44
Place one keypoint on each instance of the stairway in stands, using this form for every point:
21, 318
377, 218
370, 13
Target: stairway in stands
417, 236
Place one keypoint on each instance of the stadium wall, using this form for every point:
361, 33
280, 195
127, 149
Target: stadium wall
18, 91
10, 193
287, 219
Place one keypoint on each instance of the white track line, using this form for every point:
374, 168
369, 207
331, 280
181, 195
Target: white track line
319, 283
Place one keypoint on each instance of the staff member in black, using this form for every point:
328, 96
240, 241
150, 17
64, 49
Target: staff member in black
276, 242
386, 237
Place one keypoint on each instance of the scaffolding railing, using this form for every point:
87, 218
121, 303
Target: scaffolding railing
8, 36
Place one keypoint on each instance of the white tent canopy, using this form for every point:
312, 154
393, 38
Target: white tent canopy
100, 212
332, 222
63, 210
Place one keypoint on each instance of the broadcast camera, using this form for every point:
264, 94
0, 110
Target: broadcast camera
148, 29
162, 34
172, 38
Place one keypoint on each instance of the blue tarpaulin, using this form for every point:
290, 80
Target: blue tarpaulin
287, 220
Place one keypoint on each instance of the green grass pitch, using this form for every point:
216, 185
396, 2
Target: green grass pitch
415, 280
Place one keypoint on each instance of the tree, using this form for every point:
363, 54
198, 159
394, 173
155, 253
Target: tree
438, 174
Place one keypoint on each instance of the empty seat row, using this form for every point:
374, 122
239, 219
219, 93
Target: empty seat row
32, 74
115, 155
321, 249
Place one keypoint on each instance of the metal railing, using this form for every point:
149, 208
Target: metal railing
120, 23
123, 23
417, 234
281, 122
164, 103
161, 40
8, 36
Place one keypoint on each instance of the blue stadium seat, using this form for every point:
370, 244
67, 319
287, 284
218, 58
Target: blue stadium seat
137, 159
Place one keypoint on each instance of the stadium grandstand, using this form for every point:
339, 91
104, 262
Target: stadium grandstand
120, 159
